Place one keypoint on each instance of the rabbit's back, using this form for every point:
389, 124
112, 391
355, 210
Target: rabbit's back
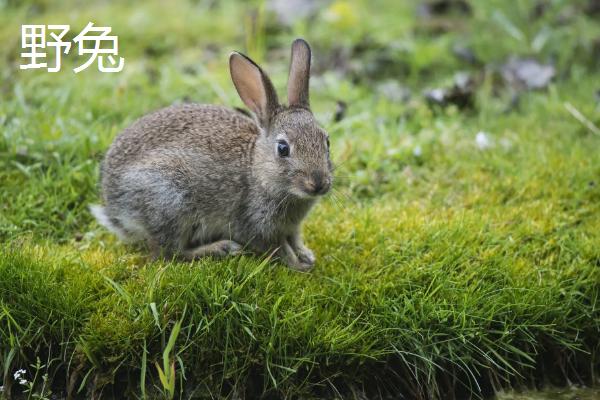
220, 132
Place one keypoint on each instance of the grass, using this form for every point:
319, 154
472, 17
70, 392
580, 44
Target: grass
452, 271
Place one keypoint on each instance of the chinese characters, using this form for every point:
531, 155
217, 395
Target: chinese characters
94, 42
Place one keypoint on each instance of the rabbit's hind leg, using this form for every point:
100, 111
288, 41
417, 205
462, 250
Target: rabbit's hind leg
218, 249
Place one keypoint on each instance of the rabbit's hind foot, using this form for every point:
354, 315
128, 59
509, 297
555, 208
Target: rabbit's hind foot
218, 249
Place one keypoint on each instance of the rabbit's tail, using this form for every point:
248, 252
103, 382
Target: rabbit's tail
112, 224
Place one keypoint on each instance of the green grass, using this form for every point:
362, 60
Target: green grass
452, 272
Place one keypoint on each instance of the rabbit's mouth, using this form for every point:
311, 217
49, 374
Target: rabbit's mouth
312, 187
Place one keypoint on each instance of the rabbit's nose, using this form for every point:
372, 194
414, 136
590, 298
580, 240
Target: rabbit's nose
318, 183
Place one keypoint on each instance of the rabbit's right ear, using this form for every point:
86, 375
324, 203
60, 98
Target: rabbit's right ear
253, 86
299, 74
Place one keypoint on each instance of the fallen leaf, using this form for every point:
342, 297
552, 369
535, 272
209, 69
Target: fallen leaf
483, 140
527, 73
393, 91
288, 12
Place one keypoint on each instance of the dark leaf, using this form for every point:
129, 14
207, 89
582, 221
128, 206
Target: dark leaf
593, 8
460, 94
444, 7
465, 54
539, 9
340, 111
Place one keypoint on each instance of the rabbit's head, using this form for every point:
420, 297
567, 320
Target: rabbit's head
292, 151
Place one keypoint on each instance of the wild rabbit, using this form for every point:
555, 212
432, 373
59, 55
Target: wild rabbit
197, 180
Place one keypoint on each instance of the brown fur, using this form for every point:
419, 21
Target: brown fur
201, 180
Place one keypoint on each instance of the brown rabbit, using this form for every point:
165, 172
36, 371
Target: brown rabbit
204, 180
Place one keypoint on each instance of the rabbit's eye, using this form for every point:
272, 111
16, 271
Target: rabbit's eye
327, 138
283, 149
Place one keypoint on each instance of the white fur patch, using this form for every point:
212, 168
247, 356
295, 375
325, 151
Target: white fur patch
98, 212
133, 230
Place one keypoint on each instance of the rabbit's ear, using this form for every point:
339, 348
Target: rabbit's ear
253, 86
299, 74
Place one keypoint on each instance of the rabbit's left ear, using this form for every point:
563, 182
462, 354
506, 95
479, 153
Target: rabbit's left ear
299, 74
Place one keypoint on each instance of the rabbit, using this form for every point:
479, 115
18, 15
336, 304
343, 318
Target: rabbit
197, 180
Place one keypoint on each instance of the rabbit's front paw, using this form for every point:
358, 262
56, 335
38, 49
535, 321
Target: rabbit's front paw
299, 265
305, 255
292, 259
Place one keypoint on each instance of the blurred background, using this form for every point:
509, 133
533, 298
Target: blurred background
394, 50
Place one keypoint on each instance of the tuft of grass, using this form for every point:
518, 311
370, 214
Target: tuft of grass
449, 271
